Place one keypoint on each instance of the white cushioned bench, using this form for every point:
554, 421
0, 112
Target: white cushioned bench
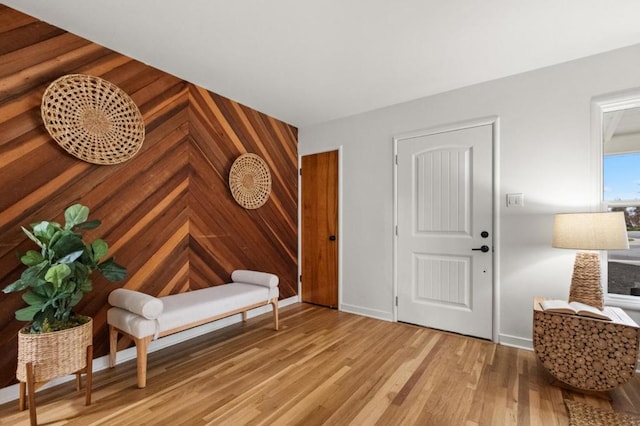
144, 318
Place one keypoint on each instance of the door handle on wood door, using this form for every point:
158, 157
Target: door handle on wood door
483, 249
332, 237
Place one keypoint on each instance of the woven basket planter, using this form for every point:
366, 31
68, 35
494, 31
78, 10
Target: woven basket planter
54, 354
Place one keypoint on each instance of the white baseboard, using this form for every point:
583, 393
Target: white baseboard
11, 393
516, 342
373, 313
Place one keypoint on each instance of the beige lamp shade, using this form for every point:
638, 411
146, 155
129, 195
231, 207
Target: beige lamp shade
590, 231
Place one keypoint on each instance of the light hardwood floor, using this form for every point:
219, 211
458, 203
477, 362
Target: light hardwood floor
323, 367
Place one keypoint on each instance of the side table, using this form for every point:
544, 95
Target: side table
586, 353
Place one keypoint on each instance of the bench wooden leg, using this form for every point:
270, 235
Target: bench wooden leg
141, 351
274, 303
142, 346
113, 345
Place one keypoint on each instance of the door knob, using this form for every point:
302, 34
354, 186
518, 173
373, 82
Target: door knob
332, 237
483, 249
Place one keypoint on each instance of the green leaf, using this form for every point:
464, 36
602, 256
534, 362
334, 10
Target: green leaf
75, 215
75, 298
18, 285
57, 273
45, 231
99, 249
67, 244
92, 224
86, 286
79, 271
71, 257
46, 289
56, 237
34, 299
31, 258
34, 274
67, 288
26, 314
34, 238
112, 271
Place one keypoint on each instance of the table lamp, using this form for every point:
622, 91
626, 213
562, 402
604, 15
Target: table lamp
589, 231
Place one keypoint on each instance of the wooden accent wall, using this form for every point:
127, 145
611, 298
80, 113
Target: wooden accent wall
167, 214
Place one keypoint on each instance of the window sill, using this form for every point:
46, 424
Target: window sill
622, 301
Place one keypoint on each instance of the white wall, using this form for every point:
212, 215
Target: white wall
544, 153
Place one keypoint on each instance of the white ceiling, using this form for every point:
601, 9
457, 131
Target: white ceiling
307, 62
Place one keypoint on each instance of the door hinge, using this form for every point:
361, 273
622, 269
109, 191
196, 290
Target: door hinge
396, 230
300, 171
396, 300
396, 159
300, 278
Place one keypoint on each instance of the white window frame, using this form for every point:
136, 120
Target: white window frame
599, 106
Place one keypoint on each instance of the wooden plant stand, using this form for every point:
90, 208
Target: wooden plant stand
43, 357
28, 389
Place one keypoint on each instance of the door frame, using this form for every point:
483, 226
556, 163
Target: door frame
340, 238
494, 122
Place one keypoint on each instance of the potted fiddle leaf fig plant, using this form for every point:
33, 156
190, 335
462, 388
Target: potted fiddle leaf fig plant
59, 274
58, 342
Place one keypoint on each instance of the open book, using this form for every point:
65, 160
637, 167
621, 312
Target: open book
575, 308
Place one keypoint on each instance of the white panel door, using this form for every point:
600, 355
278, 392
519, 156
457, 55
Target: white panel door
445, 217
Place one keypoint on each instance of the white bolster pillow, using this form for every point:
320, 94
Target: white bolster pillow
255, 277
131, 323
139, 303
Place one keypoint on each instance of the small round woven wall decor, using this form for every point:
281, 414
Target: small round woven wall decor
250, 181
92, 119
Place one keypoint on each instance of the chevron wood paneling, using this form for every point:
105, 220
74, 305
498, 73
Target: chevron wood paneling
167, 214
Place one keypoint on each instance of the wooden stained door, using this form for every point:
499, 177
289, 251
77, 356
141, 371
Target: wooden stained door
445, 233
320, 229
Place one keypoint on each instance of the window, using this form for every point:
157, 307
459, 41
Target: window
621, 192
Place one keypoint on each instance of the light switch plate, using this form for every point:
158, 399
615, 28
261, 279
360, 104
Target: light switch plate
515, 200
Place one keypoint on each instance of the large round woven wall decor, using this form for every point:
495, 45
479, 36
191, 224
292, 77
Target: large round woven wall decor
250, 181
92, 119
